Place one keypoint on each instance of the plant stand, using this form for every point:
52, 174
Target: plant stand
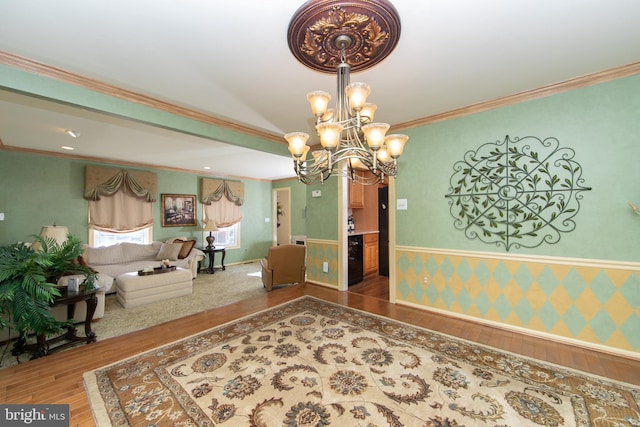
42, 346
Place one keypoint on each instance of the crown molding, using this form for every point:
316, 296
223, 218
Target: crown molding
58, 74
38, 68
553, 89
104, 161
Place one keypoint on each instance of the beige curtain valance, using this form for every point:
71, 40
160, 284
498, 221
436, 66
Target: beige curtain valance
214, 189
101, 181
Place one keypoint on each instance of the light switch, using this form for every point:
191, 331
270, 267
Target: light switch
401, 204
1, 216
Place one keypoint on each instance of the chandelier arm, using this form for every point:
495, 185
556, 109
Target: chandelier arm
307, 177
375, 161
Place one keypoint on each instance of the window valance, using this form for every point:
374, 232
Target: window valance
214, 189
101, 181
221, 201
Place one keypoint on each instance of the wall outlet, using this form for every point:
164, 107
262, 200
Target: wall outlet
325, 267
1, 216
425, 280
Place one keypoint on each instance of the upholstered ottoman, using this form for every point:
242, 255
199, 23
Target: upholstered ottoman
134, 290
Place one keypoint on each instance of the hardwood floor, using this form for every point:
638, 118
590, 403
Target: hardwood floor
58, 378
372, 285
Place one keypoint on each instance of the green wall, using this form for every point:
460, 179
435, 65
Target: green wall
314, 217
601, 123
40, 190
298, 193
322, 212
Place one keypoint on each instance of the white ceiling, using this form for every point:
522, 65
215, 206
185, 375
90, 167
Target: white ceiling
231, 60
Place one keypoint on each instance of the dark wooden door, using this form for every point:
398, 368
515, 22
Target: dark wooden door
383, 227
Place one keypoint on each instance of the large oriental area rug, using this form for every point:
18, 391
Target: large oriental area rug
314, 363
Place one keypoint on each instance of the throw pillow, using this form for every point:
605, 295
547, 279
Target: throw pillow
186, 248
169, 251
176, 240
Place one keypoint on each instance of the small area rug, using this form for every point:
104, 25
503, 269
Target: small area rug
309, 362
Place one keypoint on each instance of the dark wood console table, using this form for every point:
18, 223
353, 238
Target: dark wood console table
42, 347
211, 253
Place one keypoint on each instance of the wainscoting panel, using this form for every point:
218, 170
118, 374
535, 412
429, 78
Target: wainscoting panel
319, 251
596, 302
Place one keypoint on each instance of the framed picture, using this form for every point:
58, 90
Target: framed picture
178, 210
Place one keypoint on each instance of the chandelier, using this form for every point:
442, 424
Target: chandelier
329, 35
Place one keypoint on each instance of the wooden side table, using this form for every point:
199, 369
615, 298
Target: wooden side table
69, 298
211, 253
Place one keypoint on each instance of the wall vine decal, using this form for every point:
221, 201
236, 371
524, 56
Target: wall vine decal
522, 192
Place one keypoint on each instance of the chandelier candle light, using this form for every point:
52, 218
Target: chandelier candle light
348, 132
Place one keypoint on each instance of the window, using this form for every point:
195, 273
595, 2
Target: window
221, 205
229, 237
104, 238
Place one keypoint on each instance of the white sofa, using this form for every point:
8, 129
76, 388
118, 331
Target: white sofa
129, 257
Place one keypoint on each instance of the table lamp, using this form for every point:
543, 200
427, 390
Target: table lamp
210, 226
58, 233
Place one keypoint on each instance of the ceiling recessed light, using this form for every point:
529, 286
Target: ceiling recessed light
206, 168
66, 147
73, 133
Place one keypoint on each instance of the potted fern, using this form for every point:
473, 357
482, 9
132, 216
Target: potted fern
28, 284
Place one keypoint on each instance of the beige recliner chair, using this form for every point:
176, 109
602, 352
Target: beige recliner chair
283, 265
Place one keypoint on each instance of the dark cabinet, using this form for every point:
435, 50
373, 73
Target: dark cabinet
355, 259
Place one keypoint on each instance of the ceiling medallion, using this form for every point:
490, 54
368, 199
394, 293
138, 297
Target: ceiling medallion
319, 26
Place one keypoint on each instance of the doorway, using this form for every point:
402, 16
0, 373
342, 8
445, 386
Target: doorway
377, 285
281, 216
